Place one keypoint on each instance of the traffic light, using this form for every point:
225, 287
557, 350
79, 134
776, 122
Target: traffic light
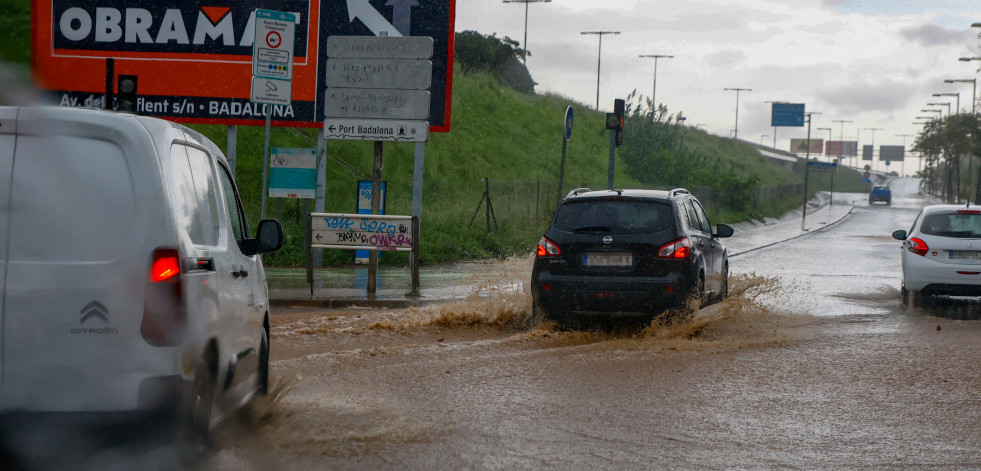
619, 107
126, 93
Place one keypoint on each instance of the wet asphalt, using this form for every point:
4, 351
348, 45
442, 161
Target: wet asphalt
811, 364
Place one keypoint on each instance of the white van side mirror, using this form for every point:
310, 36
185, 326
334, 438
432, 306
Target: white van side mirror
269, 238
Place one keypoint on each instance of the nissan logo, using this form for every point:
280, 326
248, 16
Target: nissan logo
607, 240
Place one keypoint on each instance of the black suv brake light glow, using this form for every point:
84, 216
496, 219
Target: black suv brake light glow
547, 248
677, 249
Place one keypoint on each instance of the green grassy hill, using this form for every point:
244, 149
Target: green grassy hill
511, 138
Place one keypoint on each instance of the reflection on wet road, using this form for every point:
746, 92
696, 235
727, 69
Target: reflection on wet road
812, 363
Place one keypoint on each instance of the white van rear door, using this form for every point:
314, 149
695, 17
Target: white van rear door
80, 243
8, 129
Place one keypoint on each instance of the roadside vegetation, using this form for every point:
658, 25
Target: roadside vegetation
950, 146
504, 132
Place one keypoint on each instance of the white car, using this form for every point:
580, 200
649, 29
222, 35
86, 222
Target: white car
129, 280
941, 253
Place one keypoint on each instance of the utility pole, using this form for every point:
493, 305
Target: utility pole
902, 165
735, 134
599, 58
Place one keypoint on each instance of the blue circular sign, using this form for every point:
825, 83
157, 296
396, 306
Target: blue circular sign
568, 123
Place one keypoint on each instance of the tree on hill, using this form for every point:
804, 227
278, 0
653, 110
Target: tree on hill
499, 57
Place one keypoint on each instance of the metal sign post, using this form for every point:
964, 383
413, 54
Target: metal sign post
272, 70
377, 89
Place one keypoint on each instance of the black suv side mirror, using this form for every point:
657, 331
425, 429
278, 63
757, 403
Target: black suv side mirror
269, 238
899, 235
723, 230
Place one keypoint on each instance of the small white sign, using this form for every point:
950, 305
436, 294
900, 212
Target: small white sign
376, 130
272, 49
271, 91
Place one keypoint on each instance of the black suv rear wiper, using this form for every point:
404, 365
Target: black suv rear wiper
588, 229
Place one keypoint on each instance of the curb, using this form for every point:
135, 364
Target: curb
820, 229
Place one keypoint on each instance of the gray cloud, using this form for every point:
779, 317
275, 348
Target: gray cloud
935, 35
885, 96
728, 58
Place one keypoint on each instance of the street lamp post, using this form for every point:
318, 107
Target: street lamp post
829, 138
902, 165
807, 169
841, 132
941, 104
735, 134
955, 94
654, 90
974, 92
524, 55
599, 57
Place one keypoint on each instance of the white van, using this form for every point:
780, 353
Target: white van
128, 275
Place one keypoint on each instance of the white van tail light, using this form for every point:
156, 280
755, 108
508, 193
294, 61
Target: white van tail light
163, 309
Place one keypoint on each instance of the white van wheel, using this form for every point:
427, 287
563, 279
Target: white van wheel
263, 386
202, 405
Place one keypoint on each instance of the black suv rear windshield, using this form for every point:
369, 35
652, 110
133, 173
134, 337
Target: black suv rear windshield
957, 224
614, 216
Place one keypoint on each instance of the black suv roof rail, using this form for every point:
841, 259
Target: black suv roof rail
678, 191
577, 191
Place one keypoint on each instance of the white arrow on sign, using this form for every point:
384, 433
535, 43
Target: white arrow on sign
377, 23
402, 14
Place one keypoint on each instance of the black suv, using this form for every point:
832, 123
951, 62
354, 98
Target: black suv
633, 252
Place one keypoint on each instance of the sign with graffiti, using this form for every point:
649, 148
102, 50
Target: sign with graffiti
361, 231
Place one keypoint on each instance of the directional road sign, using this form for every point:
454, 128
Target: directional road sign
371, 47
376, 130
271, 91
787, 114
568, 122
379, 73
376, 103
272, 48
892, 153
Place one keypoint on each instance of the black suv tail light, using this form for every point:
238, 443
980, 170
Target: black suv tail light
677, 249
547, 248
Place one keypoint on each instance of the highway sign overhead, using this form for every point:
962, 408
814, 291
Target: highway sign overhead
787, 114
272, 48
376, 130
416, 74
271, 91
373, 47
376, 103
892, 153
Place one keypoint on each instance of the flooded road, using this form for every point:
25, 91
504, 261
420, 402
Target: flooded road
811, 363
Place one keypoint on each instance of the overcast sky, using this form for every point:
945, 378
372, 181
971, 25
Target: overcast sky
873, 62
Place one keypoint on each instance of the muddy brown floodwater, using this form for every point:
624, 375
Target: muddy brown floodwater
806, 367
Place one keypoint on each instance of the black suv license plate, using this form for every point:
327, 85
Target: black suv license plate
608, 259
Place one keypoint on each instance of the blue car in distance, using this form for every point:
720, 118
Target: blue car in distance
880, 193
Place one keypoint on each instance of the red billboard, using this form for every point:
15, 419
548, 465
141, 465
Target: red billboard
193, 58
